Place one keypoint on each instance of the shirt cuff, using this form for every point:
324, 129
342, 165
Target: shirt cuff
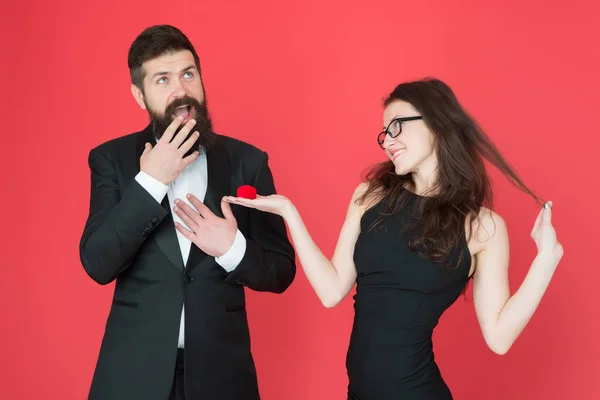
157, 189
231, 259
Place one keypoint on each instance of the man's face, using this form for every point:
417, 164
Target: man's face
173, 87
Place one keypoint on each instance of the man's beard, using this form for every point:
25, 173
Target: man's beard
198, 111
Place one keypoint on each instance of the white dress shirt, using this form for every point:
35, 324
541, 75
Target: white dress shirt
192, 180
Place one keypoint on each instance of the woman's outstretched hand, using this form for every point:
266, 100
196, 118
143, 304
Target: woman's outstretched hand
275, 203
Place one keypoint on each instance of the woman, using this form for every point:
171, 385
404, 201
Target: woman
415, 232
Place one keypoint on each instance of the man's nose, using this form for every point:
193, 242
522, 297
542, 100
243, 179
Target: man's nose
178, 89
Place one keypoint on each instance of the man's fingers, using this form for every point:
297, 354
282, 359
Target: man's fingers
191, 140
189, 216
190, 159
202, 209
226, 209
147, 148
185, 232
183, 133
170, 131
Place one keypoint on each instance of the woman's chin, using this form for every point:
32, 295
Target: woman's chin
400, 169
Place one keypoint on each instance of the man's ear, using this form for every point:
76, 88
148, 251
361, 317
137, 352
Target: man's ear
138, 95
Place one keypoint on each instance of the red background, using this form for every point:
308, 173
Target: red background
304, 81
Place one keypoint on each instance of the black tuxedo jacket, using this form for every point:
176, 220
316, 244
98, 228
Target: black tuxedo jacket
130, 238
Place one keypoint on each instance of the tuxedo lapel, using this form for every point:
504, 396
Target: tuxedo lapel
217, 159
165, 234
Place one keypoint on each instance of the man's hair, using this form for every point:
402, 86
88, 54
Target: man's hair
153, 42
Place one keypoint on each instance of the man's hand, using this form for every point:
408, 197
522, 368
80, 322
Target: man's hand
212, 234
165, 161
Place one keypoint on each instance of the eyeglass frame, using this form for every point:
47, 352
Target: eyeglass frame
386, 131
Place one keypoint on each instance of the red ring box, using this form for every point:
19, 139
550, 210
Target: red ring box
246, 192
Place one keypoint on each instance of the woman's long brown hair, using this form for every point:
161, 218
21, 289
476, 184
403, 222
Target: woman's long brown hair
462, 186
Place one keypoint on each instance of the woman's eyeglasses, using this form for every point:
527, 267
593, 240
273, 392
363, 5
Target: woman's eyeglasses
394, 128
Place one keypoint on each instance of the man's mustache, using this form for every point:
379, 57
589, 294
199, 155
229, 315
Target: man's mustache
183, 101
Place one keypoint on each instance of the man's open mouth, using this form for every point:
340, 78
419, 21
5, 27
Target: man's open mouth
183, 111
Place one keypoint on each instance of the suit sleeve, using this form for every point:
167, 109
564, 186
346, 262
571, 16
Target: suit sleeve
268, 264
118, 223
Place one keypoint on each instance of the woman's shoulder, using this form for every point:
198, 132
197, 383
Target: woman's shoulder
486, 226
360, 190
363, 198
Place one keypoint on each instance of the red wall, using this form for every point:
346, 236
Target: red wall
304, 81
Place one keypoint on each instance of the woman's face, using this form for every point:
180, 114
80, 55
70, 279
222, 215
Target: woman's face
414, 146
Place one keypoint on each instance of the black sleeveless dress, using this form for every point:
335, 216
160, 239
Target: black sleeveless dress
399, 299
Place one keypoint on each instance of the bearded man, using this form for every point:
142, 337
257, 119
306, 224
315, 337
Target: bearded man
177, 327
